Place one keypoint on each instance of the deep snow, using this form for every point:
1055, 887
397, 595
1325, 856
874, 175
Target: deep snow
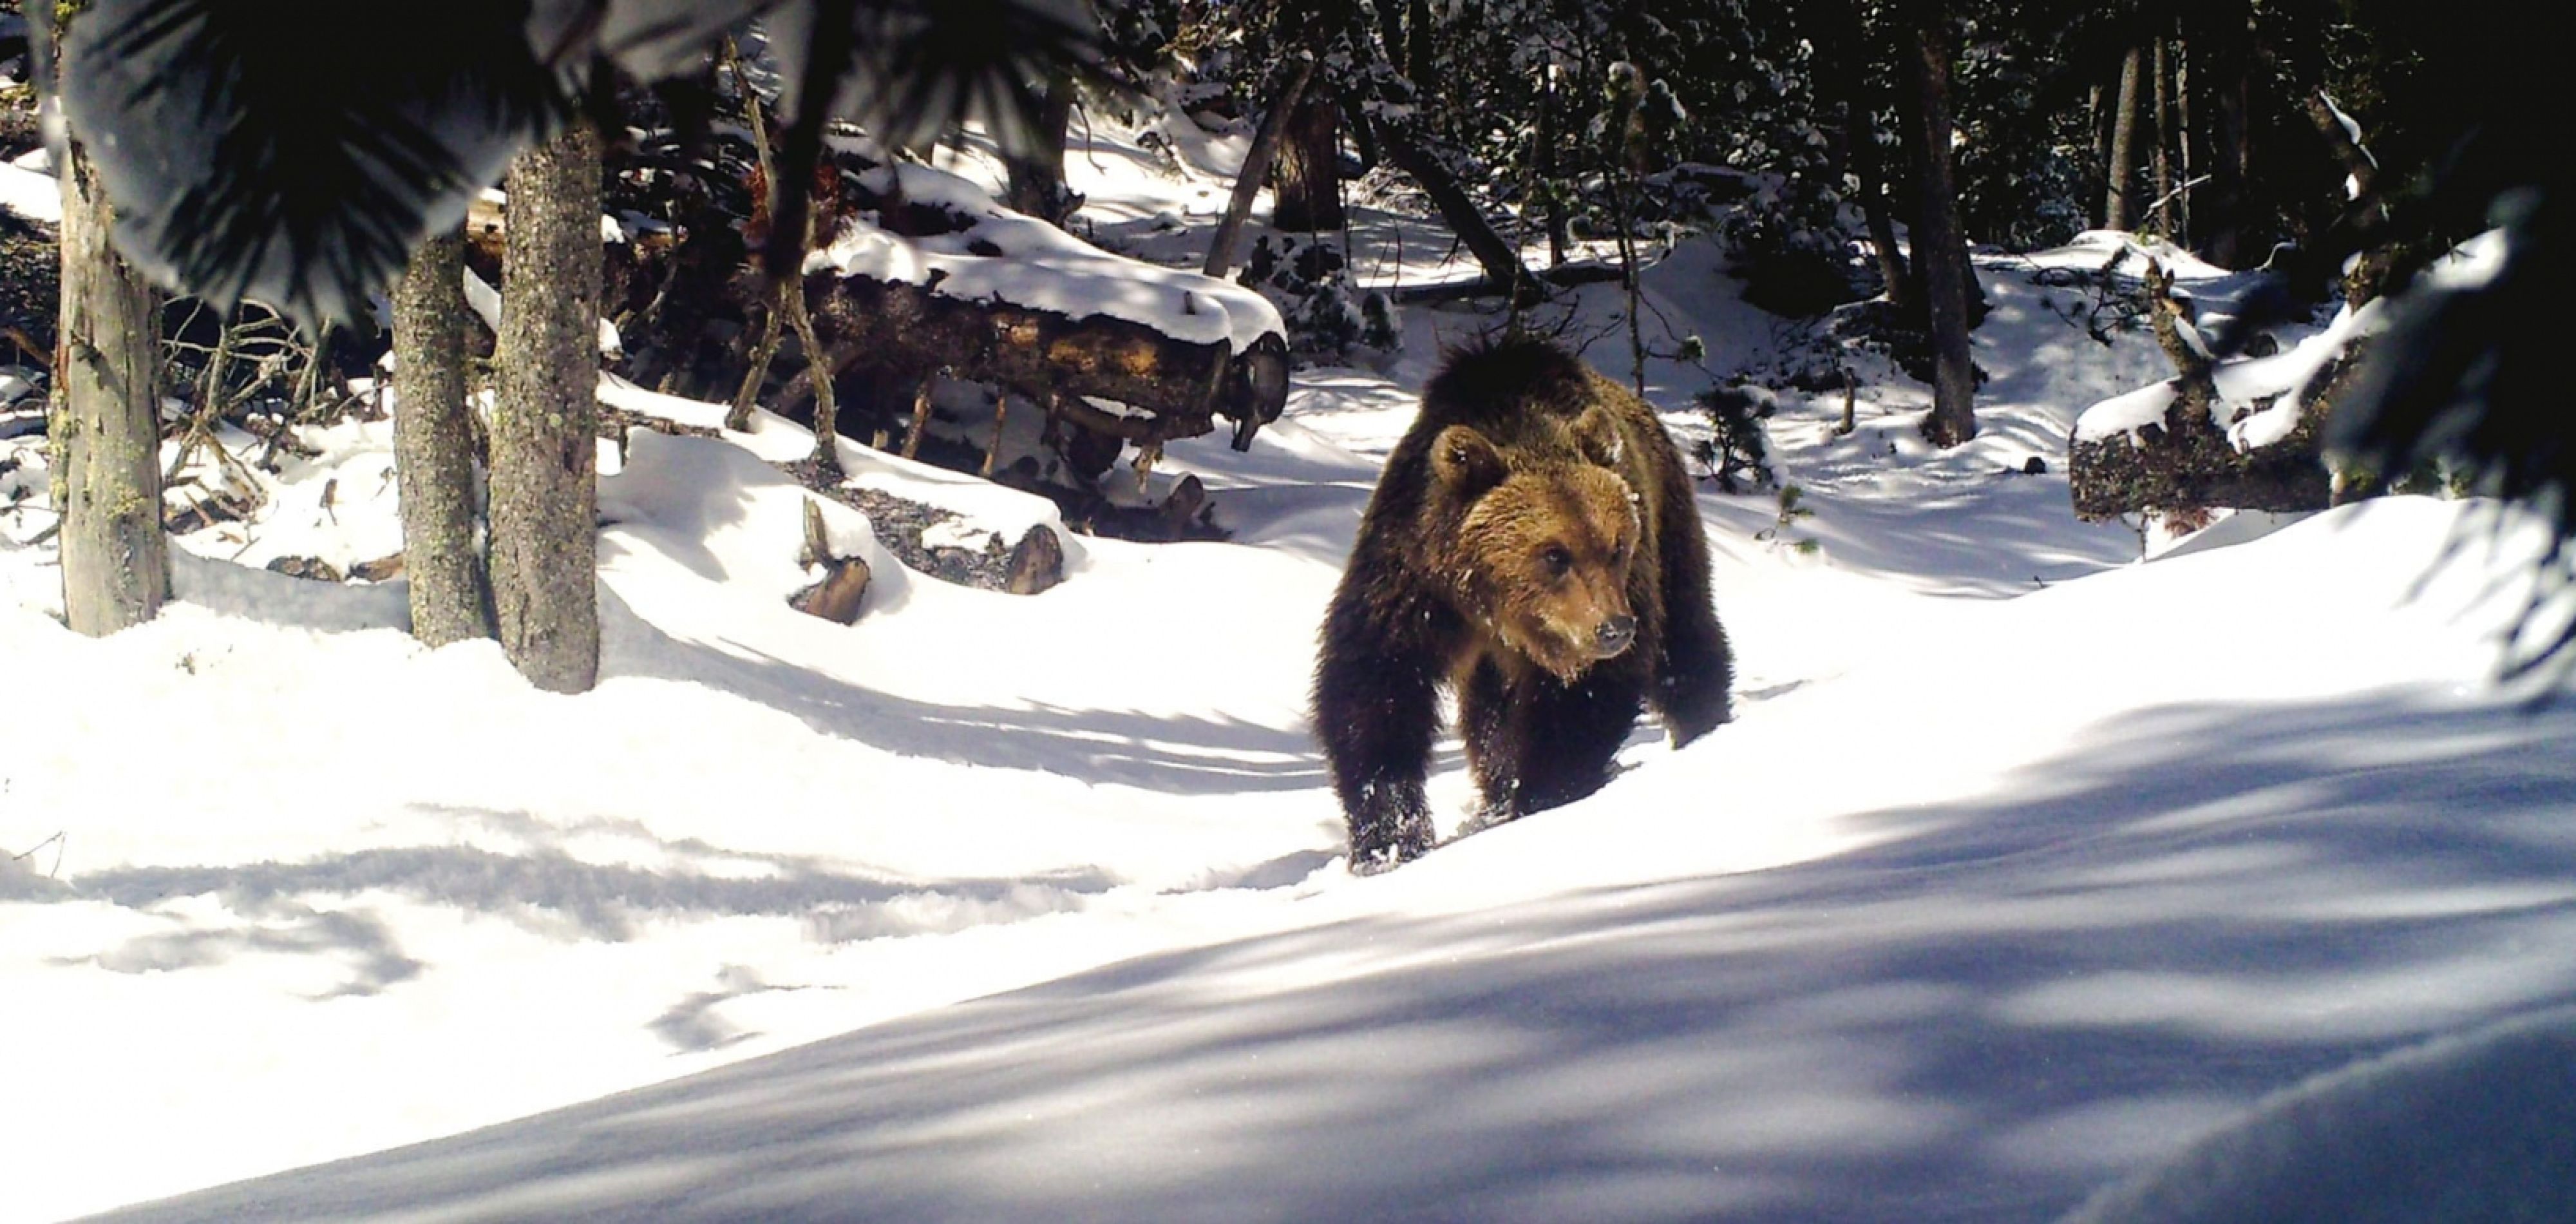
2023, 865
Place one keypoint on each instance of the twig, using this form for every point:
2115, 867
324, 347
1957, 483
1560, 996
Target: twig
61, 841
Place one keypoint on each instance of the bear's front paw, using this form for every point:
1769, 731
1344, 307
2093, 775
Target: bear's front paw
1391, 832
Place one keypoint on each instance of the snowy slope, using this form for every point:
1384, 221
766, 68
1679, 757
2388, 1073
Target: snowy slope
2022, 866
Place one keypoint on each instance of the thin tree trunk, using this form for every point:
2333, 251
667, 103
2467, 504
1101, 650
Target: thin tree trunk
1306, 187
1939, 247
1862, 137
1560, 229
1419, 54
2120, 210
2164, 136
2182, 137
1256, 166
545, 472
451, 598
106, 431
2097, 114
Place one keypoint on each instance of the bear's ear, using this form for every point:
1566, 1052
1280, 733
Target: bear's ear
1465, 461
1596, 434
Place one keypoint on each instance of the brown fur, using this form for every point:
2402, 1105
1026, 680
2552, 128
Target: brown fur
1535, 546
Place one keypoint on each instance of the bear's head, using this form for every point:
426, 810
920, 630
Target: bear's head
1544, 542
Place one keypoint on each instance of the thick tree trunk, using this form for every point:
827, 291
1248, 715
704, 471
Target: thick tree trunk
2120, 209
1256, 166
1306, 178
1939, 248
1036, 184
451, 599
544, 451
106, 430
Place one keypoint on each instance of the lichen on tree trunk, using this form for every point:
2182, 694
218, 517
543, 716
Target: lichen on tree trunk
106, 430
544, 456
451, 598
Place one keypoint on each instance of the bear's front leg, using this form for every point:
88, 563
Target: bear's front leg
1375, 714
1566, 736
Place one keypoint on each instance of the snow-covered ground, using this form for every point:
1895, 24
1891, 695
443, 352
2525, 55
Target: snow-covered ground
2024, 864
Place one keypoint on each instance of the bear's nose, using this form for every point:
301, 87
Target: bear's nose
1614, 635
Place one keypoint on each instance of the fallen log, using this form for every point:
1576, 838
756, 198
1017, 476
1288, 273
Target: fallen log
1102, 374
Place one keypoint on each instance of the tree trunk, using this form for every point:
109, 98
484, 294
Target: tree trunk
1493, 252
1256, 166
1306, 177
1037, 182
2120, 209
545, 558
1861, 135
451, 600
1560, 228
2182, 138
106, 430
1939, 248
2164, 138
1419, 54
2224, 203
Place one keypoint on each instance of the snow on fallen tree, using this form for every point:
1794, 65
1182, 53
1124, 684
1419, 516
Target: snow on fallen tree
2244, 433
2240, 434
930, 276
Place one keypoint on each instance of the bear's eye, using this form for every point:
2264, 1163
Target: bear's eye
1559, 562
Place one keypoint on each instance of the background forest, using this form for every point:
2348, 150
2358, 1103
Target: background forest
762, 668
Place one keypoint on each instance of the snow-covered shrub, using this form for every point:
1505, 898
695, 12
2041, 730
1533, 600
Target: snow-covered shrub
1311, 286
1738, 453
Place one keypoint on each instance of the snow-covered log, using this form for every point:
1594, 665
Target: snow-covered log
933, 276
2243, 434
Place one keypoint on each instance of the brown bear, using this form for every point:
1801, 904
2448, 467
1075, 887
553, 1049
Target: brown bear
1534, 546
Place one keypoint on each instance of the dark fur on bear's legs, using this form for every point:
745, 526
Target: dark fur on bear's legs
1536, 541
1378, 704
1555, 741
1695, 671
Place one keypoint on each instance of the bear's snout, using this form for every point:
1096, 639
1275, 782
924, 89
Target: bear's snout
1614, 636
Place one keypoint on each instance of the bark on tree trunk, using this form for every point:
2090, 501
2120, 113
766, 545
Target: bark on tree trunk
1493, 252
1560, 228
106, 430
544, 455
2164, 137
1419, 54
1939, 247
1256, 166
1862, 136
1306, 179
451, 599
2224, 205
2181, 206
2120, 210
1037, 183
